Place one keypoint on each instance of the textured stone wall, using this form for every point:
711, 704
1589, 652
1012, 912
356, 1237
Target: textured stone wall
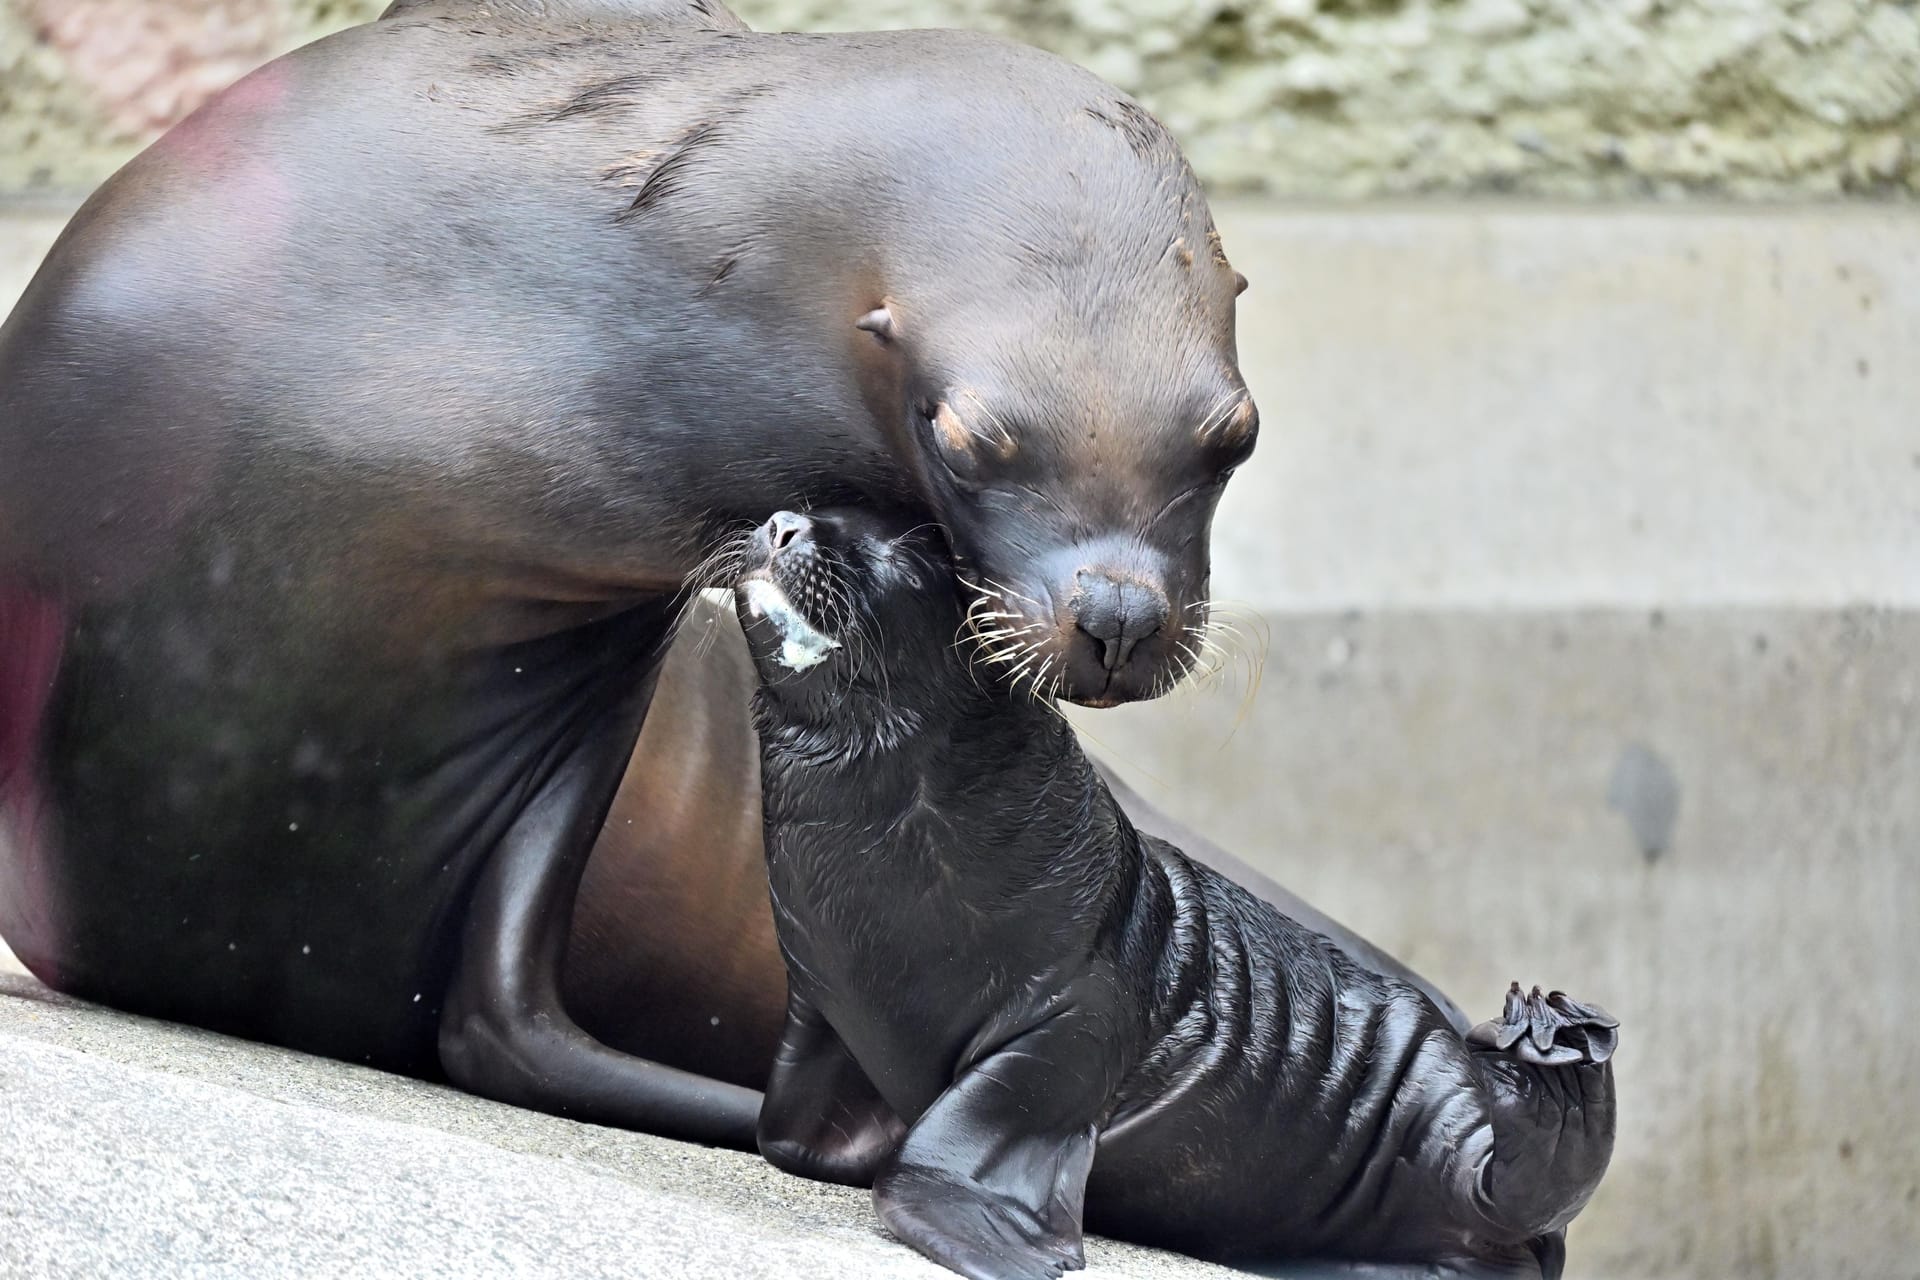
1311, 98
85, 83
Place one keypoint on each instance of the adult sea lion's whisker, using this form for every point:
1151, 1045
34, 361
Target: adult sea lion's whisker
717, 570
1013, 676
1007, 590
1250, 649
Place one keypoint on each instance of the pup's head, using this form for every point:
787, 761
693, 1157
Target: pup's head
836, 601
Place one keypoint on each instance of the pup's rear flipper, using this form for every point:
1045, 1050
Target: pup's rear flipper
1549, 1031
1546, 1064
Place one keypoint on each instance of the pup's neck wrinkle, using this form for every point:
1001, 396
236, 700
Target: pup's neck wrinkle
883, 712
855, 726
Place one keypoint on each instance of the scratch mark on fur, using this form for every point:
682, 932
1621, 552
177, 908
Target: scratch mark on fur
1146, 135
721, 270
666, 176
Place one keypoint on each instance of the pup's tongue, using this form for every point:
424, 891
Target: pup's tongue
800, 645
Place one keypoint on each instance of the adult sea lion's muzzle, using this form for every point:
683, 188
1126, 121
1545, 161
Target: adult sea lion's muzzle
1117, 614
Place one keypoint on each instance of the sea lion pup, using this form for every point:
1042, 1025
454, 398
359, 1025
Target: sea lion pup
1007, 1006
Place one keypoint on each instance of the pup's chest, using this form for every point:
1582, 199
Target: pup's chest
890, 920
906, 954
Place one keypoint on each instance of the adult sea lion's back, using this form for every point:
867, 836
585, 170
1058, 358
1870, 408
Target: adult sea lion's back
284, 498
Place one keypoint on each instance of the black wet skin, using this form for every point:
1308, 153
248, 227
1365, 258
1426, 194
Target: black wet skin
1003, 996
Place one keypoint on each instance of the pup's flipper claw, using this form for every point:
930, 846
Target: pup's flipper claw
1550, 1030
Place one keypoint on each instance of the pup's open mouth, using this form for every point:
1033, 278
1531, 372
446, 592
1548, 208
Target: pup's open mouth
801, 644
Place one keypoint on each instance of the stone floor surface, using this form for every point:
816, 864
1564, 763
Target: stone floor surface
137, 1148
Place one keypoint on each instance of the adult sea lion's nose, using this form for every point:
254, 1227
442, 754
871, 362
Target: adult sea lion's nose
1118, 613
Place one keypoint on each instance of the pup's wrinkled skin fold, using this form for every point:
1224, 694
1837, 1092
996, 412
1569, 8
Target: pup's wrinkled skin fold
1012, 1013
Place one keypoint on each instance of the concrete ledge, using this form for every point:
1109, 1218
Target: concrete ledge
136, 1148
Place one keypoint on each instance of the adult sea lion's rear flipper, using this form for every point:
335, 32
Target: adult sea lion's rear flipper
1547, 1064
504, 1032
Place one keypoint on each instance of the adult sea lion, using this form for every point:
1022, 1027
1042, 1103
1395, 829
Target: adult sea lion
358, 439
1008, 1008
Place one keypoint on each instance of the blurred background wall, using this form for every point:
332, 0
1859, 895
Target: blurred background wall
1583, 542
1580, 98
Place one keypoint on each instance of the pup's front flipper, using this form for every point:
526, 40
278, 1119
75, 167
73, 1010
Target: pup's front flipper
822, 1118
991, 1181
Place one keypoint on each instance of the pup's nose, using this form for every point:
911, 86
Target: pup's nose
1118, 613
785, 529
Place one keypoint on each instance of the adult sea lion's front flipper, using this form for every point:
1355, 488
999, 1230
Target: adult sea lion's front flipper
504, 1031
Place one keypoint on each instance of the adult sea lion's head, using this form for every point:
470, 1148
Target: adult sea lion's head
1052, 349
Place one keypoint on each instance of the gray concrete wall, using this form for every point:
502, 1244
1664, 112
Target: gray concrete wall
1587, 546
1487, 406
1635, 98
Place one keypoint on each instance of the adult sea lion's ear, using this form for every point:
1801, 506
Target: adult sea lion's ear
1239, 284
878, 322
